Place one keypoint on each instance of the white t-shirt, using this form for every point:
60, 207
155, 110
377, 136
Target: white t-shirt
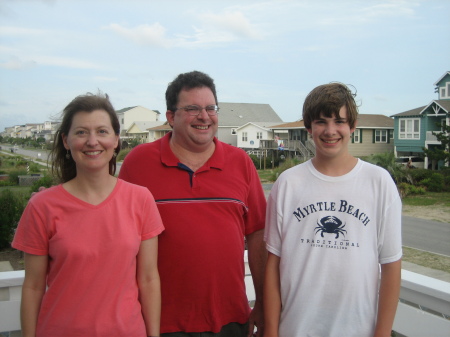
331, 234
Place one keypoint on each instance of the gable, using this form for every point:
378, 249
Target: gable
444, 78
261, 126
439, 107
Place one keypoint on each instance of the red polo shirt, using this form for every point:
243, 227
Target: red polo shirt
206, 214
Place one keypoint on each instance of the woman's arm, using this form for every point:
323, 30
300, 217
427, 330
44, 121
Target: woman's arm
149, 285
33, 290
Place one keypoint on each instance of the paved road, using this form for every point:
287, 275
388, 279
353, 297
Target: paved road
35, 154
428, 235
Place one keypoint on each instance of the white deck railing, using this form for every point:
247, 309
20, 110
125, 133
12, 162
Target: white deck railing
423, 310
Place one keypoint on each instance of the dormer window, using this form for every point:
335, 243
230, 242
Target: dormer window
444, 92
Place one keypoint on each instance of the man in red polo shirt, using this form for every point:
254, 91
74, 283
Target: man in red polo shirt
210, 198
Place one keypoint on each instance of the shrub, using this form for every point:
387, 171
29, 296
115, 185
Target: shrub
446, 184
287, 164
418, 175
408, 189
435, 183
14, 175
6, 183
46, 181
21, 163
11, 208
35, 168
122, 154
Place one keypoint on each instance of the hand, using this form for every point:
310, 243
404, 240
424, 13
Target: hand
256, 319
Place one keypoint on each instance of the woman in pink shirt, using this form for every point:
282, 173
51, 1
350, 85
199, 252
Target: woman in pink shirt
90, 243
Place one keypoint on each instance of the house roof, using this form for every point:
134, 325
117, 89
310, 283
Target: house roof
365, 121
143, 126
132, 107
165, 126
443, 103
291, 125
238, 114
125, 109
413, 112
261, 125
440, 78
369, 121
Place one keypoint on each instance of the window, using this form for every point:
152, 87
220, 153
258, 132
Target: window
442, 92
357, 136
244, 136
381, 136
259, 135
409, 128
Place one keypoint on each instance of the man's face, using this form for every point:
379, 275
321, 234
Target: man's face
194, 133
331, 135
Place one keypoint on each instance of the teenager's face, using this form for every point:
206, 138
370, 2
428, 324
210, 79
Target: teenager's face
91, 141
331, 135
193, 132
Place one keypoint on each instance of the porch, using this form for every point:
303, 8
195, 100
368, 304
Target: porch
423, 309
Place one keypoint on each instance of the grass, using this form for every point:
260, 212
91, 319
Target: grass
265, 175
16, 189
426, 259
428, 199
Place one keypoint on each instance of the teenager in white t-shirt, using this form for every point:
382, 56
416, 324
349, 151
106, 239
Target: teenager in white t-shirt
331, 223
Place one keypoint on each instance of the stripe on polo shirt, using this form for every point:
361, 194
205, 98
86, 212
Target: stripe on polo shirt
200, 200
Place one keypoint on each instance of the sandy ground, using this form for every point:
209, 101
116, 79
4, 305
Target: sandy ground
436, 213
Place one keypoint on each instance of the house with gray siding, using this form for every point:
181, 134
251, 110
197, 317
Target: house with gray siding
234, 115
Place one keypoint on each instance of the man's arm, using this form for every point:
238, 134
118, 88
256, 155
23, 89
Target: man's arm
388, 298
257, 256
272, 296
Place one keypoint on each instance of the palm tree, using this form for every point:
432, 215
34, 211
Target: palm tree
387, 161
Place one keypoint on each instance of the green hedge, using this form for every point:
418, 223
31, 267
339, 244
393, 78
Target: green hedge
11, 208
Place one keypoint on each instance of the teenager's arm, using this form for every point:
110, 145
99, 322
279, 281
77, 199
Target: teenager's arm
33, 290
388, 298
149, 285
272, 296
257, 256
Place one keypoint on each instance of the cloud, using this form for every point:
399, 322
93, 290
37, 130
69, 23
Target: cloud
370, 13
153, 35
16, 63
65, 62
232, 23
20, 31
105, 79
210, 30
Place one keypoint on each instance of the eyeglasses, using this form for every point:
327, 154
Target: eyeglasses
195, 110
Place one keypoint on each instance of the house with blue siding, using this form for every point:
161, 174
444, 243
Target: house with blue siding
413, 128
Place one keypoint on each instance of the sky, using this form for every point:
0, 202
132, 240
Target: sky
271, 52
